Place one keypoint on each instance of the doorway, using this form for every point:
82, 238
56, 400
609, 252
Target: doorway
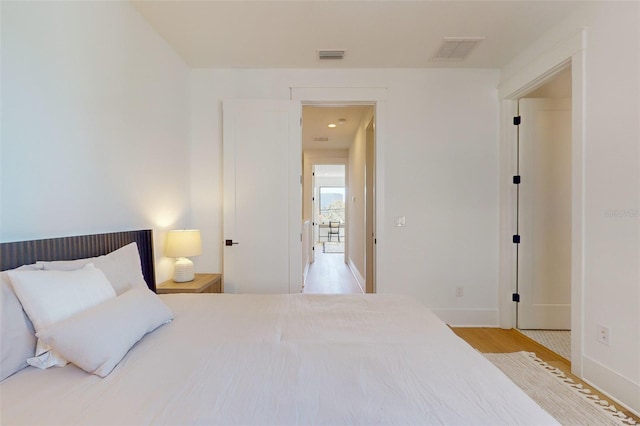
335, 166
329, 212
544, 186
254, 130
329, 273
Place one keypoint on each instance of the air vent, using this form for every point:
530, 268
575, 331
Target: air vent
331, 54
456, 48
320, 139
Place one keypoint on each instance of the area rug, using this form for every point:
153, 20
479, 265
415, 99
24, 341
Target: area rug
568, 402
333, 247
558, 341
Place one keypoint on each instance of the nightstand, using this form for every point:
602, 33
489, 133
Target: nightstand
202, 283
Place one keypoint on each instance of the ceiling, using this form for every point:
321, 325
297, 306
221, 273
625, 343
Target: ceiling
375, 34
317, 118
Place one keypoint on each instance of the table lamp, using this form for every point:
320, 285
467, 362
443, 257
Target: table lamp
182, 244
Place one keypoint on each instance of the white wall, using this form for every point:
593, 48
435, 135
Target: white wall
611, 200
441, 172
95, 124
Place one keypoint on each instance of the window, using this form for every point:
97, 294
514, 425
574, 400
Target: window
331, 204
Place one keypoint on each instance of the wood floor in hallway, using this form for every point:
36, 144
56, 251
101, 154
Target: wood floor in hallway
330, 275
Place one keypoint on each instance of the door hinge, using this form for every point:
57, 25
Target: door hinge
375, 241
517, 120
515, 297
516, 239
301, 237
300, 180
300, 121
516, 180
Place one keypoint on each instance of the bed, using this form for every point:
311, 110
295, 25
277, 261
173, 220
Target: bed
253, 359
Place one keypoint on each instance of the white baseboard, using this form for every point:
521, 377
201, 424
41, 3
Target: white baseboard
618, 388
356, 274
305, 273
468, 317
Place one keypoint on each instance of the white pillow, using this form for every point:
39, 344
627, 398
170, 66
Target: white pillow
17, 336
98, 338
51, 296
122, 267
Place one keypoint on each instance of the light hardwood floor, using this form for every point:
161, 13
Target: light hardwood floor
330, 275
497, 340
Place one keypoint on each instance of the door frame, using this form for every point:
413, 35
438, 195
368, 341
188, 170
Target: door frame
533, 75
550, 314
375, 97
370, 199
308, 170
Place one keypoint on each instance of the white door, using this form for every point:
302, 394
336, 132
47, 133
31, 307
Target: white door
262, 201
315, 235
544, 214
370, 220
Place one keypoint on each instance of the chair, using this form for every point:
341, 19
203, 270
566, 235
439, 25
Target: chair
334, 229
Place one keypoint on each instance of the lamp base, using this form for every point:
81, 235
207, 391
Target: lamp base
183, 270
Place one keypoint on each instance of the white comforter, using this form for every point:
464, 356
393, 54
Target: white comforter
281, 359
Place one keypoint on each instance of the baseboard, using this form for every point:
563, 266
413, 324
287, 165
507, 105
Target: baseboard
468, 317
305, 273
617, 387
356, 274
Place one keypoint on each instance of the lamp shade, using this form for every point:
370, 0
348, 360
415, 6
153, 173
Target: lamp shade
183, 243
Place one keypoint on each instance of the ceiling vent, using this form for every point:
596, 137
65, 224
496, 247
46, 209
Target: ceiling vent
331, 54
456, 48
320, 139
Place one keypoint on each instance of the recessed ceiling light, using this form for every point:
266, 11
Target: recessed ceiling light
331, 125
342, 120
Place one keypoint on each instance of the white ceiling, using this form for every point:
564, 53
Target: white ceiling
315, 122
376, 34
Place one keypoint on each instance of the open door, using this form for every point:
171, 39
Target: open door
544, 214
262, 201
370, 208
314, 216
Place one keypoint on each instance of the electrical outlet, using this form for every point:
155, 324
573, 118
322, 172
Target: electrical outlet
603, 335
459, 291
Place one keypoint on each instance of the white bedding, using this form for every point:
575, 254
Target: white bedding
281, 359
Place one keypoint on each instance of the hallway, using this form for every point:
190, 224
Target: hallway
330, 275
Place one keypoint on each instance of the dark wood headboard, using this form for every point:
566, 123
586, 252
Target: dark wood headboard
21, 253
